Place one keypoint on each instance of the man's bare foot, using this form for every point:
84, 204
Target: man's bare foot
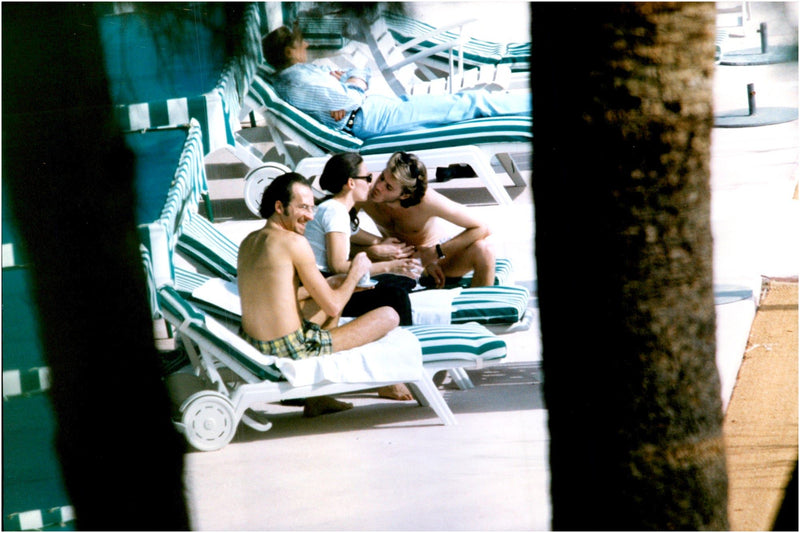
323, 405
395, 392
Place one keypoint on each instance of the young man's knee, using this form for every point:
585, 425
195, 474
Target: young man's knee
483, 252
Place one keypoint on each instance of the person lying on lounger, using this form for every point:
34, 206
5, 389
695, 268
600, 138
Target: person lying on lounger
340, 100
279, 316
405, 209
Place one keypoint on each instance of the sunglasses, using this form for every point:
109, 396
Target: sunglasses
367, 178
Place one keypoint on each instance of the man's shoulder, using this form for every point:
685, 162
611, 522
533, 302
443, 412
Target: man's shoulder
434, 203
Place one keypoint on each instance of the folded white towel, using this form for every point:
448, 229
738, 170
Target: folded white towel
394, 358
221, 293
432, 307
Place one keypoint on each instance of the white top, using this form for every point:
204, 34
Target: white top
331, 215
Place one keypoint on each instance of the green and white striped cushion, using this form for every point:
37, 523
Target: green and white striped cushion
505, 129
500, 304
518, 56
262, 95
206, 108
464, 342
53, 518
476, 52
204, 243
186, 281
25, 382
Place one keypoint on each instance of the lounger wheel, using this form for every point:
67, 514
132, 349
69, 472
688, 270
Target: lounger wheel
259, 179
208, 420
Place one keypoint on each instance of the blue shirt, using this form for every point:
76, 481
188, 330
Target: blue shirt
312, 89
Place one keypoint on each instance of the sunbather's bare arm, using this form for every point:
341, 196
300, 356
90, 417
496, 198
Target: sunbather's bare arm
436, 204
330, 300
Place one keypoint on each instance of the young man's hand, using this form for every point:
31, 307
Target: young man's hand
435, 271
390, 249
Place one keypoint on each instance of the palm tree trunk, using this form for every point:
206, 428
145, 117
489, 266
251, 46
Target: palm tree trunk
622, 131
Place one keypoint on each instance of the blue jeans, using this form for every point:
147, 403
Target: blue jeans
381, 115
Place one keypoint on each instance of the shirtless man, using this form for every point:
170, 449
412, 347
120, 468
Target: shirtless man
279, 317
407, 212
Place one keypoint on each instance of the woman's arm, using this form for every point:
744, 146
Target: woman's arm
336, 246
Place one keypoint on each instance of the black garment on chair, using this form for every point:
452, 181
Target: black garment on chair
363, 301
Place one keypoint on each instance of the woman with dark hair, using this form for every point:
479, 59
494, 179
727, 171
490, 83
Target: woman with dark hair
346, 177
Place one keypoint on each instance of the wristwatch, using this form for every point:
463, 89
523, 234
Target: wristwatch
439, 251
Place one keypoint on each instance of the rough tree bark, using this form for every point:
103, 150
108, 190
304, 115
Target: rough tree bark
622, 130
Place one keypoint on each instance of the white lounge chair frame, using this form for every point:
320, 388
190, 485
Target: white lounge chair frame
209, 418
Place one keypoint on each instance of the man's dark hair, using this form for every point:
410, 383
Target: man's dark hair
274, 45
280, 190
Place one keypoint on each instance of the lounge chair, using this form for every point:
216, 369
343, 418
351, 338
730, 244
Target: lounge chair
209, 417
473, 142
399, 70
419, 37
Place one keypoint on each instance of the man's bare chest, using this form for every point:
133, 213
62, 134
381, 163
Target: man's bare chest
404, 223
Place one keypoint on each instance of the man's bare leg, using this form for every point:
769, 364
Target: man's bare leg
367, 328
323, 405
483, 263
478, 257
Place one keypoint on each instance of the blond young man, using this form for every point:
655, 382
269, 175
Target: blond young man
407, 213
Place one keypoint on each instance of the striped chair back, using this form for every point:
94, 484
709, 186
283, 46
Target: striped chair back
201, 241
206, 108
224, 345
476, 52
159, 238
261, 96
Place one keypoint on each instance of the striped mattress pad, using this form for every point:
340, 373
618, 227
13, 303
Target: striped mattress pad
505, 129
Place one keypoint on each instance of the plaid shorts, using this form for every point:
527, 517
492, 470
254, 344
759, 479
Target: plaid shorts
309, 340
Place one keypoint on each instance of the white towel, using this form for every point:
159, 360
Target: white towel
394, 358
432, 307
222, 293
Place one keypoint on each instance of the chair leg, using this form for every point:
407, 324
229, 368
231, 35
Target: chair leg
461, 378
426, 394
